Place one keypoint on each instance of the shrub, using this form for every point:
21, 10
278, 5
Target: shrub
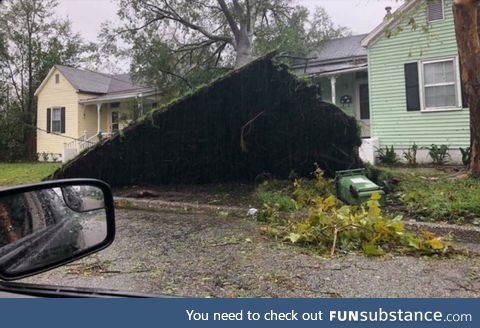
411, 154
277, 199
465, 155
12, 136
54, 157
387, 156
44, 156
438, 154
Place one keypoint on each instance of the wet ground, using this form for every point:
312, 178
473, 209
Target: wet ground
207, 256
228, 194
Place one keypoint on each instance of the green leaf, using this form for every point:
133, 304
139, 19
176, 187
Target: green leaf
293, 237
436, 244
372, 250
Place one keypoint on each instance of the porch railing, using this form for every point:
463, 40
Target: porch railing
75, 147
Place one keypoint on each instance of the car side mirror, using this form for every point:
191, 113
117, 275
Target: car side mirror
45, 225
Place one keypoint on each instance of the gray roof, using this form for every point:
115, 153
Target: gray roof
333, 68
94, 82
346, 47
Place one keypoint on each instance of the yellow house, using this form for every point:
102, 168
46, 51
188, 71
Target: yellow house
76, 108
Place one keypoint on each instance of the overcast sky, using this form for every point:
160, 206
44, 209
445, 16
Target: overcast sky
361, 16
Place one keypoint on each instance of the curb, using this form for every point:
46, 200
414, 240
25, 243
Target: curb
162, 205
467, 234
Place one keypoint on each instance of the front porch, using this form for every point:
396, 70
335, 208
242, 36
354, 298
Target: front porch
349, 91
102, 117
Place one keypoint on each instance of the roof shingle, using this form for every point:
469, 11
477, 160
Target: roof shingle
94, 82
346, 47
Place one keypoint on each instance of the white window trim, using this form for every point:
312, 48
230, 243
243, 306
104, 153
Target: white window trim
435, 20
51, 119
458, 89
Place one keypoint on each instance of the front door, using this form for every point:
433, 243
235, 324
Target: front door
115, 121
363, 109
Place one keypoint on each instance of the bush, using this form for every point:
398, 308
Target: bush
438, 154
12, 131
44, 156
296, 195
387, 156
465, 155
411, 155
278, 199
54, 157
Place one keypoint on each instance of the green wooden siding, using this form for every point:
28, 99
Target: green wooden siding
391, 122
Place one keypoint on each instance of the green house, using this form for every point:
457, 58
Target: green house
406, 86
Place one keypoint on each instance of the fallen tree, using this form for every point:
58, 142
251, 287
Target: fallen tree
257, 120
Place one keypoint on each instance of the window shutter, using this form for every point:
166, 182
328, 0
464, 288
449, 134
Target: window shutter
62, 122
434, 10
464, 96
412, 87
49, 120
462, 87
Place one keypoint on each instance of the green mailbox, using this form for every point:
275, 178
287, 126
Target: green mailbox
353, 187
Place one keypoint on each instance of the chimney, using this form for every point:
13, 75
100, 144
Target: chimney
389, 10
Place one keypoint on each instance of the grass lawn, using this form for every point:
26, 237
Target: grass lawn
431, 194
422, 193
22, 173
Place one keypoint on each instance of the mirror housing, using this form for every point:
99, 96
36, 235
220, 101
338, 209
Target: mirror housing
48, 224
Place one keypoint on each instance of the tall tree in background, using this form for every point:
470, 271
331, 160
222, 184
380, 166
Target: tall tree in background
466, 15
33, 41
299, 34
179, 44
218, 24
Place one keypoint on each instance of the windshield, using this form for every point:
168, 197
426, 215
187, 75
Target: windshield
263, 148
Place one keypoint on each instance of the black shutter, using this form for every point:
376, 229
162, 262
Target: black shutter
412, 87
49, 120
62, 122
462, 87
464, 97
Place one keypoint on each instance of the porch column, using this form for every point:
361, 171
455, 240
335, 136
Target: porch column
333, 83
99, 107
140, 103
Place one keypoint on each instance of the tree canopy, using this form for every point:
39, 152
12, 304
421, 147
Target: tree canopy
33, 40
179, 44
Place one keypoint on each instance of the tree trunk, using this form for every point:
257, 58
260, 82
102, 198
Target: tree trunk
243, 49
467, 19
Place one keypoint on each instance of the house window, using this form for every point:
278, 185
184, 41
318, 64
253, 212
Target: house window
115, 122
434, 10
440, 84
57, 78
57, 119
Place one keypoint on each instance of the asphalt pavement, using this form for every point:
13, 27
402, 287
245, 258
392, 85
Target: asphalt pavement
201, 255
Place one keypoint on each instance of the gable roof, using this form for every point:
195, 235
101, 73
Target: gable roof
93, 82
346, 47
395, 19
335, 56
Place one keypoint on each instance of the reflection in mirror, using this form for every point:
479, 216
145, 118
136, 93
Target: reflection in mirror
41, 227
83, 198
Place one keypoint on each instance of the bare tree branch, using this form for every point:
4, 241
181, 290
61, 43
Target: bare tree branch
174, 16
230, 19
